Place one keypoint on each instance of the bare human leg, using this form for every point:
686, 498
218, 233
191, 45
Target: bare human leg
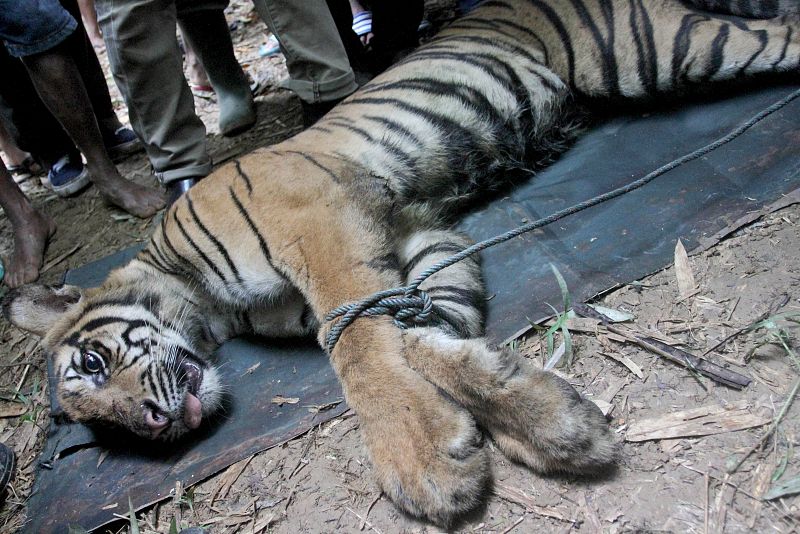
32, 230
89, 17
61, 88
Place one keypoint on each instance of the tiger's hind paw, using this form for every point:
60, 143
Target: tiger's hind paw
553, 429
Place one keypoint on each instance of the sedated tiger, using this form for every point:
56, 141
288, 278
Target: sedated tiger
362, 202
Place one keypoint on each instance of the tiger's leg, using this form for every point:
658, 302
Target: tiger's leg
426, 450
534, 416
636, 48
457, 291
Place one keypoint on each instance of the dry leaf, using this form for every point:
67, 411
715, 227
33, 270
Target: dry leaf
604, 406
12, 410
280, 400
683, 271
696, 422
627, 362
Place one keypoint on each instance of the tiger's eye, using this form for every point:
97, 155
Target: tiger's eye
92, 362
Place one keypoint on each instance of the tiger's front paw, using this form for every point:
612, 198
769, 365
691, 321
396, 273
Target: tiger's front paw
542, 421
428, 456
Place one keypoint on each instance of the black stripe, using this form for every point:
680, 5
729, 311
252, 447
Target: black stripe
605, 45
647, 59
197, 249
392, 149
150, 378
243, 176
785, 47
155, 247
473, 298
189, 265
160, 376
243, 212
385, 262
395, 127
245, 318
146, 256
566, 42
497, 3
717, 53
494, 25
316, 163
763, 38
219, 246
436, 248
681, 44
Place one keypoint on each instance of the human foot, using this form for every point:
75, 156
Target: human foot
31, 236
138, 200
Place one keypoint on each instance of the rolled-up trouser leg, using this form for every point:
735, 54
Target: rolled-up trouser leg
147, 65
315, 57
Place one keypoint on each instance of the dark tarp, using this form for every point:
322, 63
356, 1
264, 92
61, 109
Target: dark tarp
599, 248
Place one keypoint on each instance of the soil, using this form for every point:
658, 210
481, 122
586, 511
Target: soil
321, 482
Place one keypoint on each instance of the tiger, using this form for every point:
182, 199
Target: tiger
365, 200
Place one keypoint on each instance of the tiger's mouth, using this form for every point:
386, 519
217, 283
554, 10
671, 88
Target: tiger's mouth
192, 376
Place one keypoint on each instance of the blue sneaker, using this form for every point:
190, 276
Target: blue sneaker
122, 143
67, 177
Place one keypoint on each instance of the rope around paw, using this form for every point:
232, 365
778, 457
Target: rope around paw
409, 305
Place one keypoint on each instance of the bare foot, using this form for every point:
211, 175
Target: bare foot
30, 241
138, 200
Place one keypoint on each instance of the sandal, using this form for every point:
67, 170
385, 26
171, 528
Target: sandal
201, 91
27, 169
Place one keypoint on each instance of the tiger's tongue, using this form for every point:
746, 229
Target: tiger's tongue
192, 411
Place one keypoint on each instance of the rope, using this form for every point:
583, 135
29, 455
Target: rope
410, 305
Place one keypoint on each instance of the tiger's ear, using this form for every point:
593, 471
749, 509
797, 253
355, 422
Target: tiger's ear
36, 308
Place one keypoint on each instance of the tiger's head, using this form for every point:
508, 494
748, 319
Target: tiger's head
125, 354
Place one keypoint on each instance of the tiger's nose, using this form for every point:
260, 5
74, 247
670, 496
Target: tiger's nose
156, 420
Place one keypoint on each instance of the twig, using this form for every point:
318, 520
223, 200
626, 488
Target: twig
776, 305
705, 514
55, 261
22, 380
306, 447
369, 509
770, 430
514, 525
370, 525
18, 364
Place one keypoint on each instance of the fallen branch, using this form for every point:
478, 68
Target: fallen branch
690, 361
681, 357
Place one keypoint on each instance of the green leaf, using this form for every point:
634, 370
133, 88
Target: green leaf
567, 344
132, 518
781, 468
790, 487
173, 527
563, 285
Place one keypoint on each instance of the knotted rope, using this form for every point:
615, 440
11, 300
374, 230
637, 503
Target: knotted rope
410, 305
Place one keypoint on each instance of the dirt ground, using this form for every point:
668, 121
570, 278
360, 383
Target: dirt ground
321, 482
